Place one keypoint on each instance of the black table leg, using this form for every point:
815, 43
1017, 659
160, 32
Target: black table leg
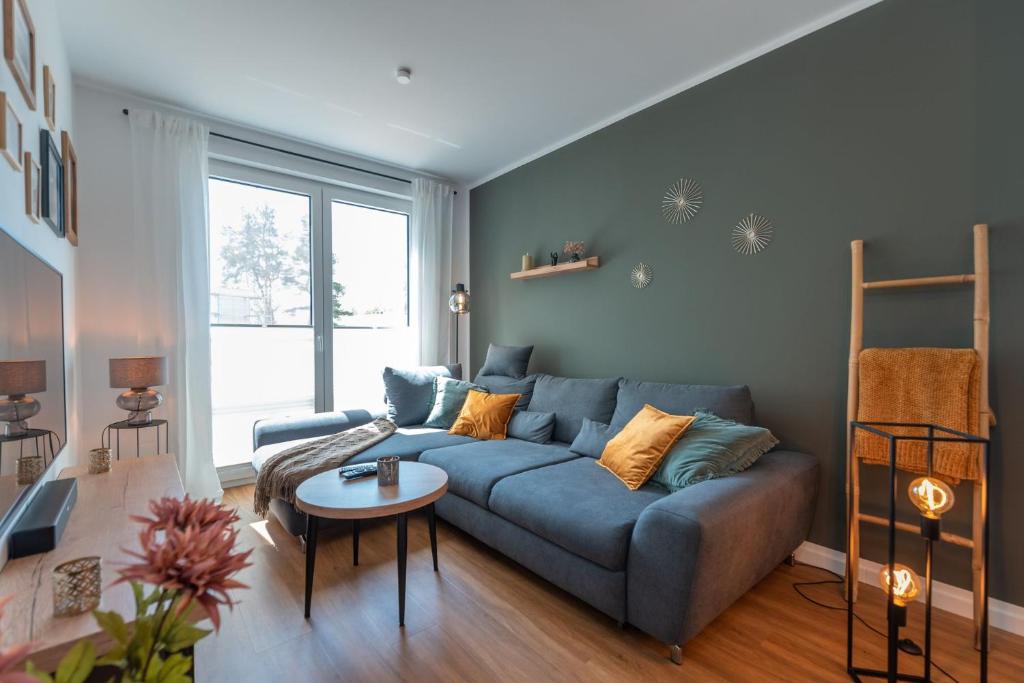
312, 523
355, 542
432, 524
402, 545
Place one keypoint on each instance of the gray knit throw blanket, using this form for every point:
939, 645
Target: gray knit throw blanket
281, 474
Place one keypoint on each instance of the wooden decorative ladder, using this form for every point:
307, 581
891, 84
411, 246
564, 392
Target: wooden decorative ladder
980, 279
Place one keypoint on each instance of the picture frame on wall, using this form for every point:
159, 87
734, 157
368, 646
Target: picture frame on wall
52, 200
11, 137
70, 158
49, 98
20, 48
33, 188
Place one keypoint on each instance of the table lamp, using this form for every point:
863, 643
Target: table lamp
138, 374
18, 378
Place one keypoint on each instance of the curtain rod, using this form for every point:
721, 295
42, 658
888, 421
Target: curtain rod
304, 156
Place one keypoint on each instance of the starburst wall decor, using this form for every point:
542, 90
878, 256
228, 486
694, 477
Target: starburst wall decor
641, 275
752, 234
682, 201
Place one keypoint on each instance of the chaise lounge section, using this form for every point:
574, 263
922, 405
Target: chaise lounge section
666, 563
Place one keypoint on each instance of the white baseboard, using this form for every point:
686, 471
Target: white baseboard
236, 475
1002, 615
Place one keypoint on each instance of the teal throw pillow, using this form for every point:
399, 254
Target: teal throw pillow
449, 395
712, 448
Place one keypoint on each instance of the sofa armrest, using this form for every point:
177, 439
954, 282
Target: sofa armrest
695, 552
276, 430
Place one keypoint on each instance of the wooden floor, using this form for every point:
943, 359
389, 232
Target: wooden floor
484, 618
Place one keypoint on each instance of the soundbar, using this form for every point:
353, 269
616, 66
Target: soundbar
43, 523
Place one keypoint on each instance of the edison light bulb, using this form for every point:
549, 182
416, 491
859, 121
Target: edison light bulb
905, 583
931, 496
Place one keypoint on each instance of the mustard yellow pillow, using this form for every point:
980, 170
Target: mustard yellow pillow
635, 453
485, 416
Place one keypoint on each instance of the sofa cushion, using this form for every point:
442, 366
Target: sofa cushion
633, 454
485, 415
577, 505
448, 397
473, 469
409, 393
499, 384
728, 402
510, 361
531, 426
571, 400
592, 439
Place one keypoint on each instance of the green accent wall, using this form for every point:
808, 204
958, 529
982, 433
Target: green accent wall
900, 125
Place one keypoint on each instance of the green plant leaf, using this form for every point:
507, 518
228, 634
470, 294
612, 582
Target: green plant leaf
174, 669
116, 657
113, 624
77, 664
184, 635
42, 676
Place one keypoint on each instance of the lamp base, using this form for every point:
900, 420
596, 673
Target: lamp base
139, 402
15, 410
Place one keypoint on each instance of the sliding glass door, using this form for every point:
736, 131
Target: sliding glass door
309, 300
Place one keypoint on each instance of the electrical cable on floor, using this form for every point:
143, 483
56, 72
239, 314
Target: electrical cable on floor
906, 644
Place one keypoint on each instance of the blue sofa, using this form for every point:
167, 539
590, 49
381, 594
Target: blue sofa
666, 563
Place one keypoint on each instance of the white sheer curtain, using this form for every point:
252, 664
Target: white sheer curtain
431, 267
171, 271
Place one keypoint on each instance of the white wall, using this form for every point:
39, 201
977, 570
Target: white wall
106, 216
38, 237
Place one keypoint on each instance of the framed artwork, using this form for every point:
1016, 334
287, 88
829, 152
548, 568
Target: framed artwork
49, 98
70, 187
20, 48
33, 187
11, 143
52, 201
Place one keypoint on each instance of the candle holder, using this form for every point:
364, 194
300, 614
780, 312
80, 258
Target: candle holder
387, 470
99, 461
29, 469
76, 587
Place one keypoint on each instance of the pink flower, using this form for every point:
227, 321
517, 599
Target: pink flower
189, 546
12, 657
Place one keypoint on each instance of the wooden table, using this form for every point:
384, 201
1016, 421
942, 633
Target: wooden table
99, 525
329, 496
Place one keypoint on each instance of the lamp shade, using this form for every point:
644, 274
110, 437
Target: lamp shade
22, 377
138, 372
459, 301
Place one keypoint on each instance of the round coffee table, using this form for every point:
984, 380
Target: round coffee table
329, 496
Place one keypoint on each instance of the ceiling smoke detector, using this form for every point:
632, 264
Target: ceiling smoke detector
403, 75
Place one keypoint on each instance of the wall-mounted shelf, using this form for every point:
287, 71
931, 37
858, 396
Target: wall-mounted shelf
589, 263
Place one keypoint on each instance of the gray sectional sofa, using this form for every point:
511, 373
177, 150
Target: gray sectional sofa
666, 563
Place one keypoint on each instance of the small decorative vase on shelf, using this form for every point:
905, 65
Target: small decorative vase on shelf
527, 262
554, 258
574, 250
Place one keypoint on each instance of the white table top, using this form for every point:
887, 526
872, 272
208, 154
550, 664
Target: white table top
331, 496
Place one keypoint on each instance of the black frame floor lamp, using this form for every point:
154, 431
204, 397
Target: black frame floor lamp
458, 304
932, 497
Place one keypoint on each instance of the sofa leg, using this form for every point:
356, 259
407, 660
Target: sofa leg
791, 560
620, 625
675, 653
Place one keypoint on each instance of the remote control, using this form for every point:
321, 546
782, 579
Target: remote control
358, 471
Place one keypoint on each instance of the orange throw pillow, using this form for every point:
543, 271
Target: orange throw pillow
485, 416
634, 454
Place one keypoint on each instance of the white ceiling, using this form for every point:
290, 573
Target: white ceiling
495, 82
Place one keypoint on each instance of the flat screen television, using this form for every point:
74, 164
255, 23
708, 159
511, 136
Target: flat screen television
31, 357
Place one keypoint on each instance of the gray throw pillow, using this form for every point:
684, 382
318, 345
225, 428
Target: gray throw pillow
498, 384
531, 426
408, 393
510, 361
592, 439
449, 395
572, 399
